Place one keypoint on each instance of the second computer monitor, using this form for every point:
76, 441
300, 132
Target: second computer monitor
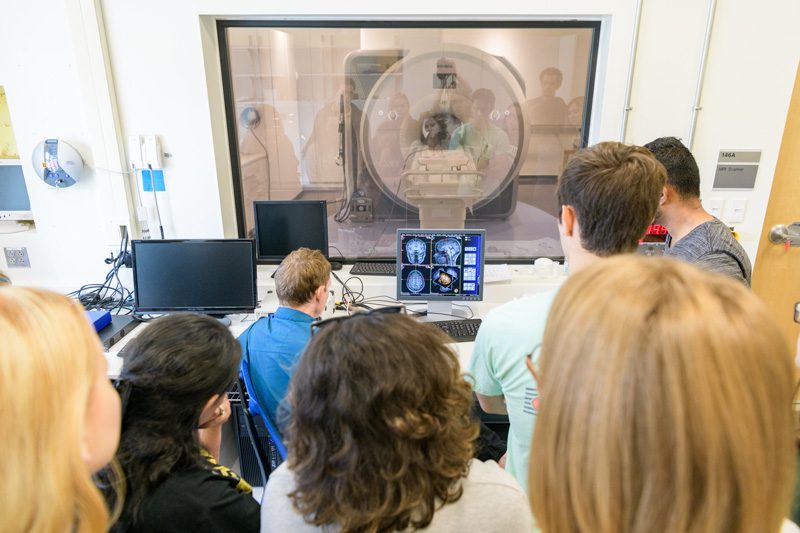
284, 226
440, 265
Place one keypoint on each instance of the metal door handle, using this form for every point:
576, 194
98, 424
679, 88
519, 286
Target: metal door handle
785, 235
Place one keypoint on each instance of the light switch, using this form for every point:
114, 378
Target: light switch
734, 211
714, 206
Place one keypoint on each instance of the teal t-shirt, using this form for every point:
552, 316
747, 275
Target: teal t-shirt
507, 335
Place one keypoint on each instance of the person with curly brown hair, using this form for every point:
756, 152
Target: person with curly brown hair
381, 438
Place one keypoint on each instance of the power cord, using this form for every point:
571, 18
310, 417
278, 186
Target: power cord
155, 199
111, 294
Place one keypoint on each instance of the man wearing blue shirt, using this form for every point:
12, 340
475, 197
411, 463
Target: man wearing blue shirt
272, 346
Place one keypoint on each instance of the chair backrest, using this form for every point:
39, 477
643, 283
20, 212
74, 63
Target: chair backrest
253, 406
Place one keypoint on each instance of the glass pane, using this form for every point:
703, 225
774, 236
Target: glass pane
412, 127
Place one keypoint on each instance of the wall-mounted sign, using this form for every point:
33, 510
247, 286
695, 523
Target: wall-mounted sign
737, 169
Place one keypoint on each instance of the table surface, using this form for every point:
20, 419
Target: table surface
525, 280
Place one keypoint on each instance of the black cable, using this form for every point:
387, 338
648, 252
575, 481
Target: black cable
155, 199
111, 294
349, 295
338, 250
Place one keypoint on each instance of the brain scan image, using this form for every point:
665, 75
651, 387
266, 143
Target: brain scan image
416, 251
446, 252
445, 279
415, 281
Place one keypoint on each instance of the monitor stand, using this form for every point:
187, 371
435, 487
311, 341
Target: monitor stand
222, 319
443, 310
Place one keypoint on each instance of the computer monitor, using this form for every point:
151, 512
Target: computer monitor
284, 226
440, 267
14, 201
214, 277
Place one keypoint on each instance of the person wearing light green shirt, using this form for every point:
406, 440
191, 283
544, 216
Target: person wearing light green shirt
608, 195
495, 370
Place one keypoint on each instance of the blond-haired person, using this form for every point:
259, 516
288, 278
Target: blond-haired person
665, 405
59, 415
272, 346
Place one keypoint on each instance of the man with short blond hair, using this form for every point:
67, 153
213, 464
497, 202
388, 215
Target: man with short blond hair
272, 346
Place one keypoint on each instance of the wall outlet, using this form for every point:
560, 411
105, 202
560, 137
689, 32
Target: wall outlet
151, 152
135, 151
735, 210
714, 206
17, 257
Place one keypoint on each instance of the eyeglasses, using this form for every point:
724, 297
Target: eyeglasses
389, 310
532, 367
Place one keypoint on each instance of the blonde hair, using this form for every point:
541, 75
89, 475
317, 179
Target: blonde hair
48, 358
665, 405
300, 274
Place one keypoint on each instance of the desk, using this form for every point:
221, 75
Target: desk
524, 281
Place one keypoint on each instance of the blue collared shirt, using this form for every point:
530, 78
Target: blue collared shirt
271, 349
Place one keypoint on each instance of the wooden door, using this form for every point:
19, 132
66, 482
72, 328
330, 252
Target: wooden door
776, 277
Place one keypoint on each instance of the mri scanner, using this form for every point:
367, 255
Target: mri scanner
437, 136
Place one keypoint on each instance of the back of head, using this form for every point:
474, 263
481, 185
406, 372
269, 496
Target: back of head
614, 189
170, 371
682, 172
381, 428
48, 362
300, 274
666, 405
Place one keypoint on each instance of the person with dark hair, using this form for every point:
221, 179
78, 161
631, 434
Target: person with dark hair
607, 195
381, 438
548, 109
174, 386
695, 235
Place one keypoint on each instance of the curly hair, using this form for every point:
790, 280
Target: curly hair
381, 430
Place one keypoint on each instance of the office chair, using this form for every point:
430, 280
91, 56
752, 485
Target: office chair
275, 440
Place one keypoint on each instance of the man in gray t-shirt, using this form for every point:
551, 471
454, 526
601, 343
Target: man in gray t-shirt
694, 235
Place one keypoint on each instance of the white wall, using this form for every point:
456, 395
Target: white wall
165, 72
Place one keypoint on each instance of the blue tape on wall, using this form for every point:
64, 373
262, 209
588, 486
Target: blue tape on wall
147, 183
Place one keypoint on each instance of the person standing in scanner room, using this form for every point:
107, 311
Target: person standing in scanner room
272, 346
695, 235
608, 196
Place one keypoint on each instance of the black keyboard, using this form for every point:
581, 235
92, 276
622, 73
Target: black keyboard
463, 330
373, 269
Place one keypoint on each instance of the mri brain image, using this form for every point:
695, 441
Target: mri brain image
446, 252
416, 251
445, 279
415, 281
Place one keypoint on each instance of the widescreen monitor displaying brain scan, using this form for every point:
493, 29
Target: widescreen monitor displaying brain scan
440, 264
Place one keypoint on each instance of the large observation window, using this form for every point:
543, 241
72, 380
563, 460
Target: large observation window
398, 124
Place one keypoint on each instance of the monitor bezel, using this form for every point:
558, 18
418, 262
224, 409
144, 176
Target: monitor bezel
276, 259
17, 214
216, 310
439, 297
